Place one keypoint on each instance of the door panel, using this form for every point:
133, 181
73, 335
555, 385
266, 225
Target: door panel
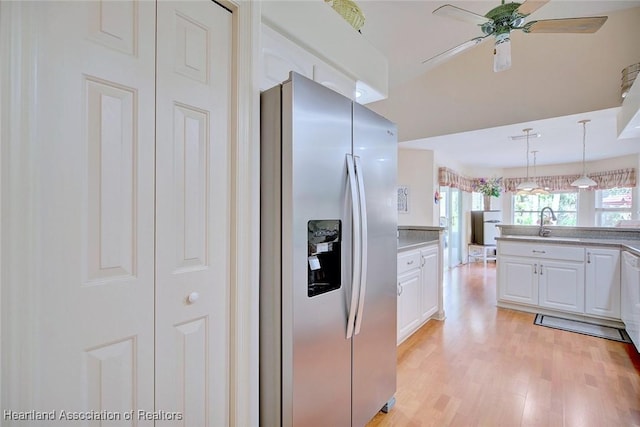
374, 347
518, 278
93, 255
316, 352
562, 285
192, 196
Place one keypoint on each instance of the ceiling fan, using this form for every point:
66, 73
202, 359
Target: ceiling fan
501, 20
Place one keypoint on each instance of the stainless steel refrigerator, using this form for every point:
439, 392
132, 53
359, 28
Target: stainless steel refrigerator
328, 258
483, 227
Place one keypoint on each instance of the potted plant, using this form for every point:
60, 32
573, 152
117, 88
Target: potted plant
489, 188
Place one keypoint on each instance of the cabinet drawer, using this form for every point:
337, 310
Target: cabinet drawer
408, 261
536, 250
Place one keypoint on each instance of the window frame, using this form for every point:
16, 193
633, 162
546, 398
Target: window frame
536, 214
599, 210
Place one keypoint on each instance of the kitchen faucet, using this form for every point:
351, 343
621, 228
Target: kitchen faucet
543, 232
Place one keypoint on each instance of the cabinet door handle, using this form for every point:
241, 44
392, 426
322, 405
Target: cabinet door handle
423, 261
535, 268
588, 257
409, 262
399, 289
539, 252
541, 269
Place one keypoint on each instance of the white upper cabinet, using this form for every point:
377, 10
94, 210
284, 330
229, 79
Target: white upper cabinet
280, 55
316, 27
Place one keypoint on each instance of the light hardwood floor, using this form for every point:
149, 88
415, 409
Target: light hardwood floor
488, 366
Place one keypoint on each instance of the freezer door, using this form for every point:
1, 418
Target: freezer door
316, 255
490, 231
374, 346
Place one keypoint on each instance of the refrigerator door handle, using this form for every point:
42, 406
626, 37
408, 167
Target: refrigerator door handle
363, 244
357, 248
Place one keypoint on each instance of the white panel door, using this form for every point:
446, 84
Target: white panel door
94, 254
408, 303
192, 214
602, 282
518, 280
561, 285
430, 275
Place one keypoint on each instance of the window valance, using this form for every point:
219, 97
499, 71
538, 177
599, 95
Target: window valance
450, 178
605, 180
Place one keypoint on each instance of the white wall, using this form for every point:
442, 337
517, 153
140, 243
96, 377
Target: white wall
416, 170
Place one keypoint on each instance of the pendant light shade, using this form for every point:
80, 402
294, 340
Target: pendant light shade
584, 181
538, 190
528, 185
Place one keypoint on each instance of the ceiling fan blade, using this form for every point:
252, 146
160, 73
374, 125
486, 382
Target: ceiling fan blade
568, 25
530, 6
441, 57
463, 15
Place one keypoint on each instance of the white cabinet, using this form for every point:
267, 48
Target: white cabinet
281, 55
419, 288
630, 307
550, 276
542, 282
561, 285
563, 278
518, 280
408, 303
602, 282
430, 282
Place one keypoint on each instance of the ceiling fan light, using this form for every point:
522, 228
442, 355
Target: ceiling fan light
502, 53
584, 182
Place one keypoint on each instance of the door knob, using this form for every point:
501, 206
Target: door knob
193, 297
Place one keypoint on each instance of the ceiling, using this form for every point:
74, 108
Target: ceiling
560, 141
407, 33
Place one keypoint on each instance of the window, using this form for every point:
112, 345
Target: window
613, 205
526, 208
477, 201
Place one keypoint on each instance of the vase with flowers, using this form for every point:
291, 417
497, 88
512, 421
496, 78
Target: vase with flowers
489, 188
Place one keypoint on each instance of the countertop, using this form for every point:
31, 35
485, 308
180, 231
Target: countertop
623, 244
413, 237
408, 243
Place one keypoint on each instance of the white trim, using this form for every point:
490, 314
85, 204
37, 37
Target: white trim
243, 351
17, 199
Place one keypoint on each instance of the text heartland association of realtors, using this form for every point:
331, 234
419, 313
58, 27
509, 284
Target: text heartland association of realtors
62, 415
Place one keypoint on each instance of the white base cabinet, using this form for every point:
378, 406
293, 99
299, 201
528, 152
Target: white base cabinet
518, 279
630, 307
430, 282
602, 282
561, 285
418, 288
408, 303
562, 278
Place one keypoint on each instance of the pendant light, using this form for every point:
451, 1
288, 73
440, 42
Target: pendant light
538, 189
528, 185
584, 181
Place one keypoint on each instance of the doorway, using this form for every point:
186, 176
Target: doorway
450, 217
